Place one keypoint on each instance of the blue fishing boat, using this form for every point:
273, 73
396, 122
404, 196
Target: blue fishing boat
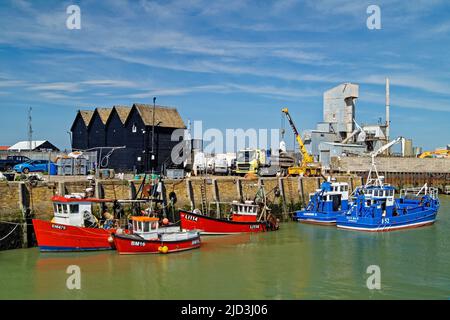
325, 204
375, 208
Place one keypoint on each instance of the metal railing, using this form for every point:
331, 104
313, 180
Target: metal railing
420, 191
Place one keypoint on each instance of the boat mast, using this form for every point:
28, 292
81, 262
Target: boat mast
377, 181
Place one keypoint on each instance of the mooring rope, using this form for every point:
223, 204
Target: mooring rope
9, 233
16, 223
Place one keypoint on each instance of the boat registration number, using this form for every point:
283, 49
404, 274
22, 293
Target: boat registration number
254, 226
192, 218
137, 243
58, 226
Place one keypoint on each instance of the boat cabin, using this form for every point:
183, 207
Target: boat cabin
381, 198
332, 196
146, 227
244, 212
75, 210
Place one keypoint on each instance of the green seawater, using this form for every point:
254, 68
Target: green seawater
297, 262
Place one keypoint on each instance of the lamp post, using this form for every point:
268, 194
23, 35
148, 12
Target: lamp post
144, 151
152, 157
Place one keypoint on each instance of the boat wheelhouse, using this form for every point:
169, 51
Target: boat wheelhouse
74, 226
325, 204
246, 211
147, 237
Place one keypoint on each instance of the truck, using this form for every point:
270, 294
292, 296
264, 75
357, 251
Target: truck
262, 162
250, 161
10, 161
220, 164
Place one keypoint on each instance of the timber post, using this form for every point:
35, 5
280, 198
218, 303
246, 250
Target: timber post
216, 197
190, 193
239, 190
24, 204
285, 214
100, 194
301, 190
62, 188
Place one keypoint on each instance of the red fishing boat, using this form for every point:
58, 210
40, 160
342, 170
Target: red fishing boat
244, 218
147, 237
74, 227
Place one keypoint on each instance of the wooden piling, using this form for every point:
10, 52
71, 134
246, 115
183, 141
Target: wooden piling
216, 195
62, 188
24, 205
132, 194
285, 214
100, 194
351, 185
301, 190
239, 190
190, 193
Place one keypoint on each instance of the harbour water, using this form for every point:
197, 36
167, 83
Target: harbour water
298, 262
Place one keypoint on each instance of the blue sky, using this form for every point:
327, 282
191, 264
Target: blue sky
232, 64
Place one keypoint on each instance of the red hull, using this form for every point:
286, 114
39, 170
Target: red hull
208, 225
58, 237
130, 245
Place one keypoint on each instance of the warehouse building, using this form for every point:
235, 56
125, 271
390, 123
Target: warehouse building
108, 129
35, 145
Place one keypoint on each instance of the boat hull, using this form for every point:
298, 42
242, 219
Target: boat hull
319, 218
212, 226
58, 237
393, 223
130, 244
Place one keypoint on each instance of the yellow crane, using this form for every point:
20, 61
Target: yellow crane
308, 167
438, 153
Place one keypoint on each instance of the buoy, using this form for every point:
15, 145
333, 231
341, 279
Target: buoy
119, 231
164, 249
160, 249
165, 221
110, 239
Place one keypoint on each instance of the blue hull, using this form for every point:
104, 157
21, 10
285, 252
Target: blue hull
317, 217
68, 249
412, 220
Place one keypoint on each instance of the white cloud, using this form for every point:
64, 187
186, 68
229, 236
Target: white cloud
111, 83
56, 86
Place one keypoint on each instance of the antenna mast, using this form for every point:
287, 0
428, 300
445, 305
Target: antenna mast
30, 130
